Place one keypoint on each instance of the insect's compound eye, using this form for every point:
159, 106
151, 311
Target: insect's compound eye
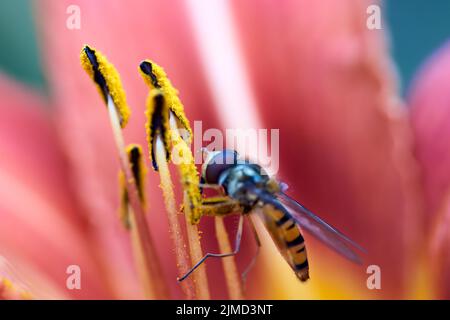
216, 163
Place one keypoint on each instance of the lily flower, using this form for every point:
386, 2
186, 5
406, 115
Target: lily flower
350, 148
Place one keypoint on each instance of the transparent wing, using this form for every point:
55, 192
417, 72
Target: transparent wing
320, 229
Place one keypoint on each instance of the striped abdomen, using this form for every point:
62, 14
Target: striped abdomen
286, 233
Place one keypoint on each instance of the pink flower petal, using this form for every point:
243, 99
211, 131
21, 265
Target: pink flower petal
430, 102
323, 78
39, 225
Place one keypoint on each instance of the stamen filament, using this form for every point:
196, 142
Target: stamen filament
154, 284
138, 169
172, 215
195, 248
232, 276
107, 80
160, 139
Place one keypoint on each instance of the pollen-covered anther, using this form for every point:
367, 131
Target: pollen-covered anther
146, 260
183, 158
157, 124
139, 171
176, 131
155, 77
107, 79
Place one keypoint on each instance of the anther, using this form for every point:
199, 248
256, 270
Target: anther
157, 124
107, 80
155, 77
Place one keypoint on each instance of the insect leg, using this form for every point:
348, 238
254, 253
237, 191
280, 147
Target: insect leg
258, 247
219, 206
237, 245
202, 186
210, 186
215, 200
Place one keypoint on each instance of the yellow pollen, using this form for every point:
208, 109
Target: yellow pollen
157, 114
155, 77
107, 80
175, 131
189, 177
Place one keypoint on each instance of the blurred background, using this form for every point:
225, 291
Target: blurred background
416, 28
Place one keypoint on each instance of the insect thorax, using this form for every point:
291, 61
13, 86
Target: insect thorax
240, 180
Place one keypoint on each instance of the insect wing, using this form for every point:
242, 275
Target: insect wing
320, 229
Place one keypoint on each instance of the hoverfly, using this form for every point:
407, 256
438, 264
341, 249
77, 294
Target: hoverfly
245, 187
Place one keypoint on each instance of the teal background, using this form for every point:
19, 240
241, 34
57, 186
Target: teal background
18, 46
417, 27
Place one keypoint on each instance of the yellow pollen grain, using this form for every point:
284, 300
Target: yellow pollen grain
189, 179
112, 80
170, 92
155, 77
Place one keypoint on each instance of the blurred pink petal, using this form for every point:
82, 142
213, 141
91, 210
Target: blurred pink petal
430, 102
39, 227
325, 79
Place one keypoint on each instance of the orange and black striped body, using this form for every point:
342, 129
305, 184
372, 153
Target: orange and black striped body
285, 231
247, 184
